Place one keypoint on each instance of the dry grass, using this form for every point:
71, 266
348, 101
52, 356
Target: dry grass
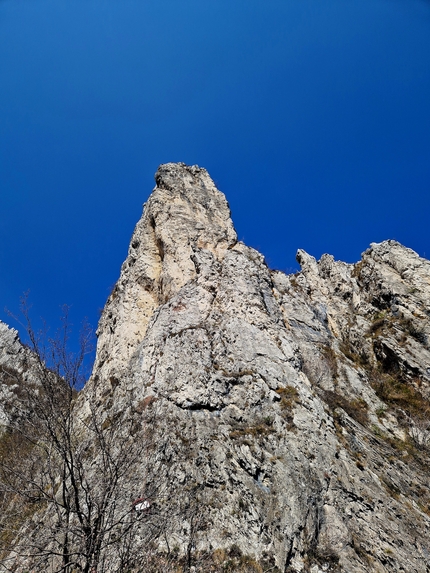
289, 398
356, 409
397, 393
376, 326
228, 560
262, 427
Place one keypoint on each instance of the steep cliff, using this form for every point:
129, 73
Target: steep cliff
185, 212
292, 410
280, 422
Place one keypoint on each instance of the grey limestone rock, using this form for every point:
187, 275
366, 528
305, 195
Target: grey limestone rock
16, 369
290, 413
282, 398
185, 213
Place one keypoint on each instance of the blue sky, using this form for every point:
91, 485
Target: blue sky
312, 116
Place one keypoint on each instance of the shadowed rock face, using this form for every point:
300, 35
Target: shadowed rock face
291, 410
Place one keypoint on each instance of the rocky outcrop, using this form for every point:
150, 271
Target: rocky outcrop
292, 410
16, 369
275, 422
184, 214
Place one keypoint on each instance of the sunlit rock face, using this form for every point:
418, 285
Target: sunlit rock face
10, 353
17, 368
290, 412
184, 214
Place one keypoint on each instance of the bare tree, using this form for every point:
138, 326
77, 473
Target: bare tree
64, 465
74, 470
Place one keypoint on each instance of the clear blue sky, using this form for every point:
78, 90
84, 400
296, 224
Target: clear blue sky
312, 116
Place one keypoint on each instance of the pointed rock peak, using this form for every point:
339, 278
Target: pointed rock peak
388, 249
179, 176
307, 262
187, 211
9, 343
185, 214
396, 256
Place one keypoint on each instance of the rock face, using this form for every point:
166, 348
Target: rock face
282, 417
184, 214
295, 409
16, 368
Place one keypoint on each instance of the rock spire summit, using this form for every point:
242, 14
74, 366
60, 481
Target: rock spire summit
184, 213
